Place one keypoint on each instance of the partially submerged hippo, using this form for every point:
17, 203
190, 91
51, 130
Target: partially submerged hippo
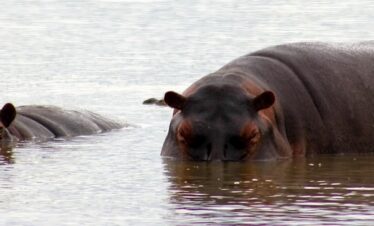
283, 101
47, 122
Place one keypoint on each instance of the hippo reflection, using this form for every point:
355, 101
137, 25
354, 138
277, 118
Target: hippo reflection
279, 102
267, 190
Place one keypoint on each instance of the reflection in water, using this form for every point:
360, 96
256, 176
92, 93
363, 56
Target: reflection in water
6, 154
324, 188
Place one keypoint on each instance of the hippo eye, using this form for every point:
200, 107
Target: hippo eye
238, 142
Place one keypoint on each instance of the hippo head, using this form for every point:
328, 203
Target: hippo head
7, 115
220, 123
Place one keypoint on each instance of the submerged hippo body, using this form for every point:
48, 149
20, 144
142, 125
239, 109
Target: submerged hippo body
283, 101
47, 122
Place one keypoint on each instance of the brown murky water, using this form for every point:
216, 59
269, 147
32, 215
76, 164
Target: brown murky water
321, 190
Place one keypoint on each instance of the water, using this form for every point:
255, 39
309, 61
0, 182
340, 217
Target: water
108, 56
326, 190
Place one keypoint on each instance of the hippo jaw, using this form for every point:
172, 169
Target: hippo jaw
221, 123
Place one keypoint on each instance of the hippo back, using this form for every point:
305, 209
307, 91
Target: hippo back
43, 122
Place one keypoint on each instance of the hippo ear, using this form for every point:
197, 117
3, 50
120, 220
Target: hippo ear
174, 100
7, 114
263, 101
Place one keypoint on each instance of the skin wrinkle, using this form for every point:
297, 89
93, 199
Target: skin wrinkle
254, 86
278, 113
298, 147
183, 136
295, 72
252, 135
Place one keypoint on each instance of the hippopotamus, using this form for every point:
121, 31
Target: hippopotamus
43, 123
285, 101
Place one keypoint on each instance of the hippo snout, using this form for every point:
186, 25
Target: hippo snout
216, 152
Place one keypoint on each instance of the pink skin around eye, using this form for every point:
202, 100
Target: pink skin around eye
251, 133
184, 134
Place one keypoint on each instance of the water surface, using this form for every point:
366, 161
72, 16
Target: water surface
108, 56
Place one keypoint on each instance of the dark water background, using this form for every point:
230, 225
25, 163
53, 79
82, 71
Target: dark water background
108, 56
